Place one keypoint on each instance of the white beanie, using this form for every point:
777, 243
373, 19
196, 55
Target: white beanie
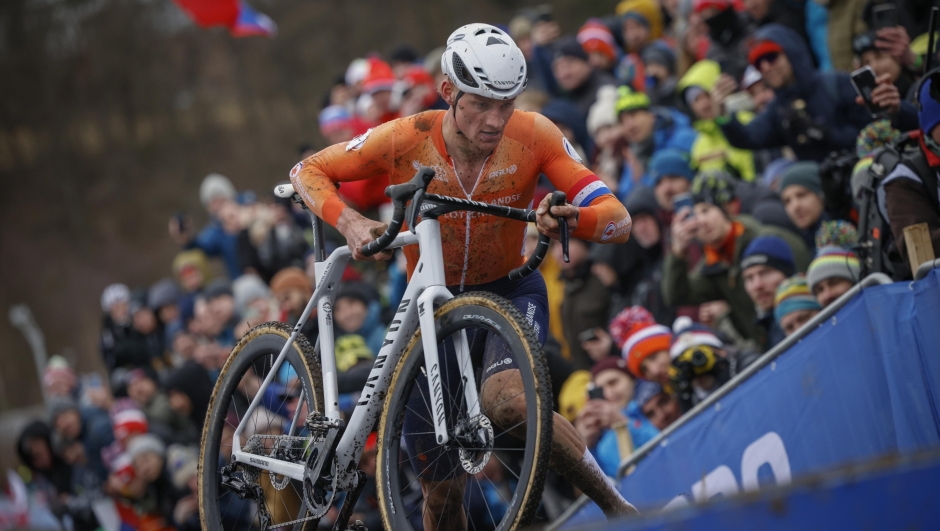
603, 112
248, 288
216, 185
147, 442
113, 294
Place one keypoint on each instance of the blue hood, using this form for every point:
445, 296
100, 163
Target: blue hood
804, 70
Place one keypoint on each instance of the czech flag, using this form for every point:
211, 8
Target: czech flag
236, 15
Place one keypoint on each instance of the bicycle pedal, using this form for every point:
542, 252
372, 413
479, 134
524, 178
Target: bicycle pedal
318, 422
357, 526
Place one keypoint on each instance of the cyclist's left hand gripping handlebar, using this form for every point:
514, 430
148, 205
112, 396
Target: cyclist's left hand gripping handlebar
400, 194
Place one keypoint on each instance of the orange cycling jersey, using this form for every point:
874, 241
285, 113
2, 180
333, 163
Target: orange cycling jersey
477, 248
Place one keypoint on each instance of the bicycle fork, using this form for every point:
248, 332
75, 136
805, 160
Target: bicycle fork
429, 341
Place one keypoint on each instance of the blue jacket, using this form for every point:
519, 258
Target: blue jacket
607, 452
830, 104
672, 130
216, 242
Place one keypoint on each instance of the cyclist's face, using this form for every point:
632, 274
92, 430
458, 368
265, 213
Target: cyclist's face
483, 120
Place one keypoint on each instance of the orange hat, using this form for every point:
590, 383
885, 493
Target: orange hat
644, 341
595, 36
291, 278
380, 77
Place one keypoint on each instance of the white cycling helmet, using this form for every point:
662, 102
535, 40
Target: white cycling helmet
484, 60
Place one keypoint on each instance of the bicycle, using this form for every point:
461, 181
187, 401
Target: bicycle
291, 477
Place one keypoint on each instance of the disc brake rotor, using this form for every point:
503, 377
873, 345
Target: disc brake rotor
476, 442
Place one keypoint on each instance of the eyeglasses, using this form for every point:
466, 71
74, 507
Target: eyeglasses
770, 57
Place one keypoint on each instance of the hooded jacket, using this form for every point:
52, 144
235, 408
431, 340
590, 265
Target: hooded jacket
711, 150
827, 98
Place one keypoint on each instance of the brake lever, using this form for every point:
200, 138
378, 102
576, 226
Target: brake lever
558, 199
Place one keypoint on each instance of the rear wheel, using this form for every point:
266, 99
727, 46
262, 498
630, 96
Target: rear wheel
490, 475
247, 366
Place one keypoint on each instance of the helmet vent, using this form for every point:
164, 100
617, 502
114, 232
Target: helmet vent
460, 70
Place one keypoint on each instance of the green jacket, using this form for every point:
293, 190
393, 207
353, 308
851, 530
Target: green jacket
711, 150
723, 281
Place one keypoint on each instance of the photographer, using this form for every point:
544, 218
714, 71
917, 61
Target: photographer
701, 363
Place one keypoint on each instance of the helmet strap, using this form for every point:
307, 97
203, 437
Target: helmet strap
460, 94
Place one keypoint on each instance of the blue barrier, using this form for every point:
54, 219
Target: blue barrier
865, 383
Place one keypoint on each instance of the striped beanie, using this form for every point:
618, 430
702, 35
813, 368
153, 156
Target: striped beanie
689, 334
644, 341
622, 325
836, 233
595, 36
833, 262
793, 294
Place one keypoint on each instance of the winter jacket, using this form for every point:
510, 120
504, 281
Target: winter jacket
123, 346
586, 306
585, 95
908, 201
723, 280
284, 246
814, 104
607, 449
729, 32
671, 130
214, 241
845, 23
711, 150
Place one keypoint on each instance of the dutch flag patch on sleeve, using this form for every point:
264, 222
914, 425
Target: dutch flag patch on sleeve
585, 191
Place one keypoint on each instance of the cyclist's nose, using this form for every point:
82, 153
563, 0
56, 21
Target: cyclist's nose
495, 121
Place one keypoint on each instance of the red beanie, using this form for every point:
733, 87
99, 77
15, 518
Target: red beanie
594, 36
701, 5
380, 76
762, 48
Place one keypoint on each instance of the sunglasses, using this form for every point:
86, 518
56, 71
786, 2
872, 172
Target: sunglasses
770, 57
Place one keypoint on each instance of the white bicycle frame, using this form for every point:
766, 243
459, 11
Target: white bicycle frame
425, 289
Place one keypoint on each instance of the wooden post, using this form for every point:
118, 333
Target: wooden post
919, 246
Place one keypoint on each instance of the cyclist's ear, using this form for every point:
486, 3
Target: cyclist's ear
448, 91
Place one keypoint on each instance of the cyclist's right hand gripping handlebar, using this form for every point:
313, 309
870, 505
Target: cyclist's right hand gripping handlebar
400, 195
541, 248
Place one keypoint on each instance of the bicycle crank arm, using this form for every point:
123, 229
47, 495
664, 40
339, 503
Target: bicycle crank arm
351, 498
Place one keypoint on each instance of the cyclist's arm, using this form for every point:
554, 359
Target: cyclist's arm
365, 156
601, 217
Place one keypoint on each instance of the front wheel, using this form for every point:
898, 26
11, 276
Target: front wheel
490, 475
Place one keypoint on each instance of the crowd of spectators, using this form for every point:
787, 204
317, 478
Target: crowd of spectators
716, 122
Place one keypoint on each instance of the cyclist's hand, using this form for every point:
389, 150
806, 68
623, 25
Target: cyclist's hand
359, 231
548, 225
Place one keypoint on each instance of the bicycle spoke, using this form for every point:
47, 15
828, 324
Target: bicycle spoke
494, 454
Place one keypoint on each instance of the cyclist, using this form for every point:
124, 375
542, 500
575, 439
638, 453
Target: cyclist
484, 150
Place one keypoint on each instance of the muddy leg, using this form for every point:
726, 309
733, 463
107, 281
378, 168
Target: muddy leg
504, 403
443, 504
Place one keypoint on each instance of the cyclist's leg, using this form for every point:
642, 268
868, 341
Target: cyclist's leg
504, 401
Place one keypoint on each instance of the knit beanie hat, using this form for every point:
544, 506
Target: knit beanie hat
803, 173
595, 36
114, 294
59, 405
58, 370
792, 295
642, 200
182, 463
875, 135
687, 334
629, 100
836, 233
715, 187
771, 251
573, 394
248, 288
645, 341
216, 185
646, 12
762, 48
334, 117
379, 78
701, 5
833, 262
658, 53
774, 170
929, 113
645, 391
622, 325
163, 293
604, 110
129, 422
291, 278
147, 442
569, 47
670, 161
609, 363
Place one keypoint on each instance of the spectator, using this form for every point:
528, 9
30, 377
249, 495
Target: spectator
163, 299
293, 290
717, 276
34, 447
867, 53
377, 92
802, 195
534, 35
790, 14
155, 503
147, 332
182, 464
599, 44
273, 241
711, 150
765, 264
701, 363
356, 310
659, 61
58, 379
121, 344
192, 270
794, 304
761, 94
220, 303
253, 303
576, 76
834, 271
419, 92
910, 189
603, 127
614, 426
189, 390
728, 31
401, 58
163, 419
586, 304
660, 407
641, 25
80, 435
672, 176
571, 122
220, 236
813, 113
648, 130
647, 352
